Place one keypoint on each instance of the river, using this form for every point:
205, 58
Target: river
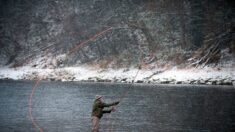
66, 107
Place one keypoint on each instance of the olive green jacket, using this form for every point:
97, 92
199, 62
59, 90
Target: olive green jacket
98, 107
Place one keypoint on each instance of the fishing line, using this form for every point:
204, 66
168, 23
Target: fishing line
32, 119
128, 89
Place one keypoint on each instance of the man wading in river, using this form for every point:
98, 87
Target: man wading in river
97, 111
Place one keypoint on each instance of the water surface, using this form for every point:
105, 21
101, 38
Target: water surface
66, 107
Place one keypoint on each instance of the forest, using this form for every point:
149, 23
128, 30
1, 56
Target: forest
164, 32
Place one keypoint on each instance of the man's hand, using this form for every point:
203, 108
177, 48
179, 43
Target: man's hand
113, 109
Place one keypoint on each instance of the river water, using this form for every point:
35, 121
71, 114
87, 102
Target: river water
66, 107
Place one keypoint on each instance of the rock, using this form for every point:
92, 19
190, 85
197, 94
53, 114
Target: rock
139, 81
219, 82
107, 80
156, 80
99, 79
50, 79
178, 82
146, 81
116, 80
227, 82
103, 80
209, 83
165, 82
197, 82
213, 81
150, 81
35, 65
129, 80
92, 79
192, 81
207, 80
70, 78
202, 82
123, 79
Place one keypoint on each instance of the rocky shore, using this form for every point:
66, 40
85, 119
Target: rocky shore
207, 76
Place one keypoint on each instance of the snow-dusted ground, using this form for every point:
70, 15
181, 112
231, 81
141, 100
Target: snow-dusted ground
87, 73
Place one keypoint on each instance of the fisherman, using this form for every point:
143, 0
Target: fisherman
97, 111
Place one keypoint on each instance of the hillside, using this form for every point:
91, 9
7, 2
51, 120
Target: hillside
122, 34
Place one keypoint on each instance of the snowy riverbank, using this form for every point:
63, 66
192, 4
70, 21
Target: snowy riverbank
207, 76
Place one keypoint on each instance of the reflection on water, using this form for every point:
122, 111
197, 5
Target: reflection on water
66, 107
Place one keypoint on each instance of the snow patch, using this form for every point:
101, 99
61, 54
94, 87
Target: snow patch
84, 73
